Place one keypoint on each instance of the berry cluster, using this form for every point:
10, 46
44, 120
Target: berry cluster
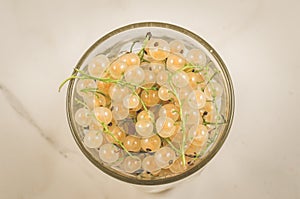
149, 113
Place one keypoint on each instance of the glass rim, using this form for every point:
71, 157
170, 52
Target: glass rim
211, 153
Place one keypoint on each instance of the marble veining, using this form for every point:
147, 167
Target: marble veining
18, 107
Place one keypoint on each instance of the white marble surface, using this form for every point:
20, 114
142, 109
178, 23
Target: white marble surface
42, 40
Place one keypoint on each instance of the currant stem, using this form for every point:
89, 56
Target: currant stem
172, 146
82, 103
107, 131
65, 81
182, 119
142, 102
132, 45
93, 90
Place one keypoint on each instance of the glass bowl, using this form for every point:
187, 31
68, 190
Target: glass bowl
119, 41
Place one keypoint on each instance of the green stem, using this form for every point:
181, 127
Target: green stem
215, 73
142, 102
200, 68
107, 131
142, 51
65, 81
131, 47
172, 146
182, 119
92, 90
82, 103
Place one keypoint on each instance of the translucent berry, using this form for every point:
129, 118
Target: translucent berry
164, 93
177, 47
170, 111
197, 99
145, 115
117, 69
198, 135
180, 79
213, 90
135, 75
212, 117
197, 57
103, 114
151, 144
85, 84
94, 101
150, 79
119, 112
82, 117
158, 49
131, 164
156, 67
178, 166
95, 125
144, 128
162, 77
165, 127
131, 101
103, 87
98, 65
116, 133
150, 97
118, 92
132, 143
109, 153
139, 106
93, 139
193, 150
149, 164
175, 62
209, 107
184, 93
191, 115
164, 157
131, 59
195, 79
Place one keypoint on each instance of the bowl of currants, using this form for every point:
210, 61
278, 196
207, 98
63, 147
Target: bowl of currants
150, 103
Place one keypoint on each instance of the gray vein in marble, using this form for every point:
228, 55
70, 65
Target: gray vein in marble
18, 107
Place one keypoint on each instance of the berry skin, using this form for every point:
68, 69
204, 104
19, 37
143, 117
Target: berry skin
117, 133
132, 143
132, 164
145, 115
165, 127
197, 57
149, 164
164, 93
164, 157
152, 143
98, 65
175, 62
158, 49
150, 97
109, 153
177, 47
195, 79
82, 117
169, 110
131, 59
93, 139
144, 128
117, 69
103, 114
197, 99
198, 135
